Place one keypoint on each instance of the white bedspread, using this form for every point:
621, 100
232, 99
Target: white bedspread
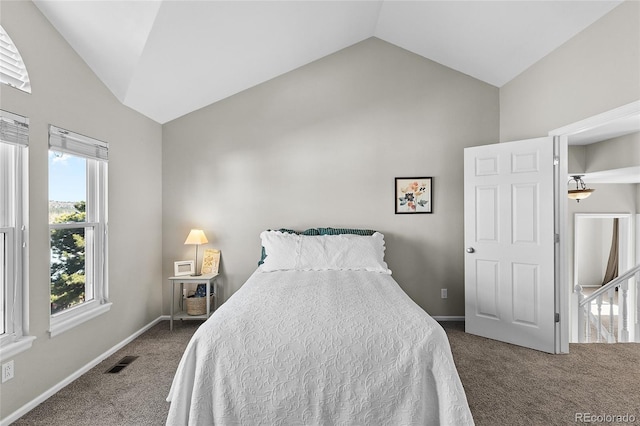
318, 348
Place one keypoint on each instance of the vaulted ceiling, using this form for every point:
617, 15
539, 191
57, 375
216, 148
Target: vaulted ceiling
168, 58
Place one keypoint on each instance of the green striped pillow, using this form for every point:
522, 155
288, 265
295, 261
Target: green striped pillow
339, 231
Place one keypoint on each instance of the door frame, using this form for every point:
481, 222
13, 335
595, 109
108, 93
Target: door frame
564, 289
562, 299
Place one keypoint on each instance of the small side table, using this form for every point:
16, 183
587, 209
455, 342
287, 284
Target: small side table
208, 280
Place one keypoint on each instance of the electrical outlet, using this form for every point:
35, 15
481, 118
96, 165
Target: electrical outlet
443, 293
7, 371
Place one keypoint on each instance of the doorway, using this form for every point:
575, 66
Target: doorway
593, 235
616, 122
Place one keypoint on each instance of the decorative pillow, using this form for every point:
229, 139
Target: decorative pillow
310, 231
323, 252
340, 231
319, 231
282, 250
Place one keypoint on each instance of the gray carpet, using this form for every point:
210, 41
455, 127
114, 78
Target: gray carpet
136, 396
511, 385
505, 384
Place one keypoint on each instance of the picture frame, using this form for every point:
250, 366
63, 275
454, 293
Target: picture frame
210, 261
414, 195
183, 267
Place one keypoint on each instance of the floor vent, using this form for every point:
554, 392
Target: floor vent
120, 365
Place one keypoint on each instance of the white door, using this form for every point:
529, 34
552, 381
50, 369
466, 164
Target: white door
510, 242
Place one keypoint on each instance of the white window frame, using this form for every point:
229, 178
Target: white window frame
14, 130
96, 225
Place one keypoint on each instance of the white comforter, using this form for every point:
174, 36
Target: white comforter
318, 348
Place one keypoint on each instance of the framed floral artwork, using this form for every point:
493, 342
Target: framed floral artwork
414, 195
211, 261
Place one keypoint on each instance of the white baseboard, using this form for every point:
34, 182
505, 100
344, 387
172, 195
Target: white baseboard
50, 392
448, 318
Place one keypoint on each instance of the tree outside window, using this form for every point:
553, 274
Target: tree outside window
68, 259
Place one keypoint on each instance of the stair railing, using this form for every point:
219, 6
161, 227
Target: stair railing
587, 319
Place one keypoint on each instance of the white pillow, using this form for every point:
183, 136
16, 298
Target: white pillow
282, 249
323, 252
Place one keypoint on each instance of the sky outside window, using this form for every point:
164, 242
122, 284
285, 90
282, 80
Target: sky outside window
67, 177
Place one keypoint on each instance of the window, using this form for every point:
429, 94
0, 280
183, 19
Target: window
12, 69
77, 227
14, 142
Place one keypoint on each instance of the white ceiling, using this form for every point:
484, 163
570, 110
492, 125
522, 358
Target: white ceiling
168, 58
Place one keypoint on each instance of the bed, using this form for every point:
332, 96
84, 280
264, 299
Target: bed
320, 334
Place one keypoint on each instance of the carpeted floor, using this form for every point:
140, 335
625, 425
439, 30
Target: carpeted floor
511, 385
136, 396
505, 384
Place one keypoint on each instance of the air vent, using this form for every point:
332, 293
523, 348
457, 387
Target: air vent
120, 365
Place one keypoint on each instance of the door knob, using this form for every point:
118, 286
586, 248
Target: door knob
471, 250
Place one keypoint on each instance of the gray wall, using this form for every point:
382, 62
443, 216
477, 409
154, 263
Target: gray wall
611, 154
592, 248
595, 71
616, 153
321, 146
67, 93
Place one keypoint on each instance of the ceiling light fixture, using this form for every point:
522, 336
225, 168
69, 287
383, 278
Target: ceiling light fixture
581, 192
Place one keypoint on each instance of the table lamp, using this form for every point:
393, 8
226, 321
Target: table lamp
197, 237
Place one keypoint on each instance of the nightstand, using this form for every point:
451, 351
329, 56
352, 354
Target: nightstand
208, 279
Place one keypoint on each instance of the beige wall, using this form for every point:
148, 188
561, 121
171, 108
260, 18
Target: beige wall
595, 71
321, 146
67, 93
617, 153
610, 154
592, 249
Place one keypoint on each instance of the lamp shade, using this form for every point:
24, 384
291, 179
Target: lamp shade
196, 236
581, 192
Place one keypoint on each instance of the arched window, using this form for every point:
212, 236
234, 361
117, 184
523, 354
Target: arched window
12, 69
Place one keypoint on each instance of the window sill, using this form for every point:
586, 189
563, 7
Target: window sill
14, 348
67, 321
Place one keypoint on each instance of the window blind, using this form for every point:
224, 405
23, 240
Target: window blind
14, 128
12, 68
73, 143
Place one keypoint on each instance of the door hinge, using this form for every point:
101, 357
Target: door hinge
557, 317
556, 160
556, 238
